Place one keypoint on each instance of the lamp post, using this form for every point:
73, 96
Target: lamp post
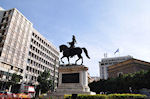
2, 81
54, 76
7, 79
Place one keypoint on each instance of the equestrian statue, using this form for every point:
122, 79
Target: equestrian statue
71, 51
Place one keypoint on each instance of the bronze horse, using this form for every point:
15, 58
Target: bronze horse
70, 52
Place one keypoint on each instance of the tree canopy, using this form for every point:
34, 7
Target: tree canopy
123, 84
45, 82
15, 78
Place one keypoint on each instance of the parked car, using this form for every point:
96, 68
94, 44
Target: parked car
23, 96
9, 95
6, 95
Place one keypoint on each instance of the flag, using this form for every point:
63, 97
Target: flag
116, 51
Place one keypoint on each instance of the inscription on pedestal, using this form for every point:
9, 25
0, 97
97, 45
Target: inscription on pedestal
70, 78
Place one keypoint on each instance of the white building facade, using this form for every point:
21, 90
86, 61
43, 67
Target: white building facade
23, 50
106, 62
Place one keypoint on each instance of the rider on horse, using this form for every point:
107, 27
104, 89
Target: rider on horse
72, 44
71, 51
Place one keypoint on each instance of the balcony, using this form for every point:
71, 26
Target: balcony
2, 38
1, 44
5, 20
7, 13
3, 26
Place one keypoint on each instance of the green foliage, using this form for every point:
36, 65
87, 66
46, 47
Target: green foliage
80, 96
15, 78
67, 96
45, 82
126, 96
98, 96
122, 83
110, 96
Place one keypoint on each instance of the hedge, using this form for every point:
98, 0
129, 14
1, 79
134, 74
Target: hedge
80, 96
110, 96
126, 96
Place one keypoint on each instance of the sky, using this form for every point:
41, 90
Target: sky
101, 26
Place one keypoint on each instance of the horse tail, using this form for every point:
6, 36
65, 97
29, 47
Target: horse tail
86, 52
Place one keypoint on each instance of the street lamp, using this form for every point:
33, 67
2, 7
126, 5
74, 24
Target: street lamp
7, 79
54, 76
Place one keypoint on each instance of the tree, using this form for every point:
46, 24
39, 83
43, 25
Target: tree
123, 83
45, 82
15, 79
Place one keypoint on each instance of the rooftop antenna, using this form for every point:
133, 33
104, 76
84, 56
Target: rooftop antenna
105, 55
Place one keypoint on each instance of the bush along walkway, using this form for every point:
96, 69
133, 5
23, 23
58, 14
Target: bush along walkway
110, 96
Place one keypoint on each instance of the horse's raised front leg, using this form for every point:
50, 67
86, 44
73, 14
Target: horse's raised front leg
62, 58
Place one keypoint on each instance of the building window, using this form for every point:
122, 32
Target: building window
26, 75
27, 68
28, 61
21, 70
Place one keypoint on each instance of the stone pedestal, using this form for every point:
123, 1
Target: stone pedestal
73, 79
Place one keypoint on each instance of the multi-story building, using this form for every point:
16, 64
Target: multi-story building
106, 62
23, 50
128, 66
